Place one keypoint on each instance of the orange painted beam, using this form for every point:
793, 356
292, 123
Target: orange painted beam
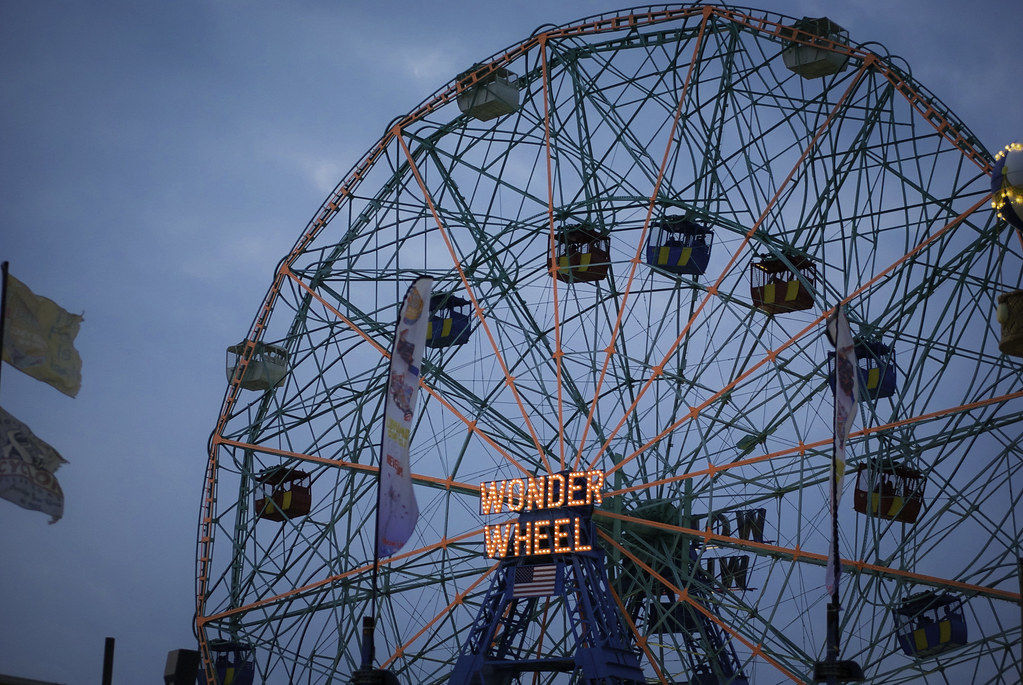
797, 554
684, 595
637, 259
712, 291
324, 582
509, 379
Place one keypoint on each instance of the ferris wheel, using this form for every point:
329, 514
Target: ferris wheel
637, 225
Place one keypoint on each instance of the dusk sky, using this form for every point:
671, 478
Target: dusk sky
157, 160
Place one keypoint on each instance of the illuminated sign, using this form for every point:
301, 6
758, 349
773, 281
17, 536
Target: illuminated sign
561, 531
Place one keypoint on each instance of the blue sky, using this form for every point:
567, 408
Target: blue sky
156, 162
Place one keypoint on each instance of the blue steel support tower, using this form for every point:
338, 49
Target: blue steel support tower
508, 637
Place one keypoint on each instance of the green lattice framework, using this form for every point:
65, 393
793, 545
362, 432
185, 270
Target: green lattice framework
697, 404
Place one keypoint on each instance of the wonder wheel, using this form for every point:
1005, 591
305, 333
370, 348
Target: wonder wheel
637, 225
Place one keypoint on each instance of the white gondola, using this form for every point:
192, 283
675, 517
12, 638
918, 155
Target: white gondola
490, 96
266, 369
810, 61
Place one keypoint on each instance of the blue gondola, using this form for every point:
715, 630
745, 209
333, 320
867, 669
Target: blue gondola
449, 321
876, 370
679, 246
232, 662
929, 623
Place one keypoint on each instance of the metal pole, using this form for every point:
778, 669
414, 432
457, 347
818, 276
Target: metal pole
3, 308
833, 607
108, 661
1019, 571
832, 614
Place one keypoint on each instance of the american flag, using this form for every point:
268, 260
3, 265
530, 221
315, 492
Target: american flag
534, 581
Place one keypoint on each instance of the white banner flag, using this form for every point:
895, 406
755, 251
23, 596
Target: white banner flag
397, 508
846, 392
26, 469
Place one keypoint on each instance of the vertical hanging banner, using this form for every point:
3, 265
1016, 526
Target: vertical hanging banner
397, 509
39, 338
846, 392
26, 469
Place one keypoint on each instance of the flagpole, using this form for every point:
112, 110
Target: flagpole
369, 622
832, 670
833, 607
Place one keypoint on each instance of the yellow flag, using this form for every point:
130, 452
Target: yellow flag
39, 338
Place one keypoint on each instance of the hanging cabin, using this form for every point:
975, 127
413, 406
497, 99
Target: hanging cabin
875, 370
449, 321
283, 494
930, 623
814, 61
233, 662
679, 246
1010, 316
775, 288
486, 93
581, 254
266, 368
889, 490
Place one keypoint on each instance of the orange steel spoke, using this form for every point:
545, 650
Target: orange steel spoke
509, 379
640, 639
558, 352
459, 598
945, 128
365, 568
712, 291
386, 354
770, 356
637, 258
445, 483
684, 596
802, 448
473, 428
797, 554
333, 310
266, 601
